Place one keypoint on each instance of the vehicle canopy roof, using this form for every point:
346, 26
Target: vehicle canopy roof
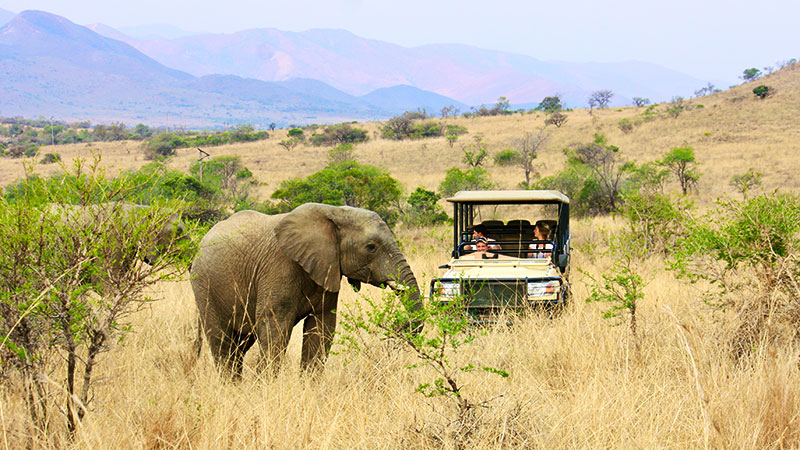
509, 197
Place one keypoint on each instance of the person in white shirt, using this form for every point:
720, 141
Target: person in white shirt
541, 232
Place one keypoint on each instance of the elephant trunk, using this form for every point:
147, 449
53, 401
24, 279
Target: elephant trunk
406, 283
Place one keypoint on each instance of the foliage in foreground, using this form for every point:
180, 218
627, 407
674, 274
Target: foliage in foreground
750, 250
445, 331
71, 276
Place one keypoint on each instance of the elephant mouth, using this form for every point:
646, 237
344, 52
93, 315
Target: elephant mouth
397, 287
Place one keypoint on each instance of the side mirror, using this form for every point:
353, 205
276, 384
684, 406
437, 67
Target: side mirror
563, 260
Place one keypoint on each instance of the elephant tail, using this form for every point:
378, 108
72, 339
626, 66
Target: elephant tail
198, 342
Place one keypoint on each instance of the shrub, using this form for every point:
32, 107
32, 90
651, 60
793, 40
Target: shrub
650, 113
289, 144
296, 133
457, 180
745, 182
423, 209
341, 153
426, 129
64, 300
508, 157
557, 118
50, 158
762, 91
749, 250
622, 287
437, 347
411, 125
655, 219
163, 145
625, 125
455, 130
343, 133
346, 183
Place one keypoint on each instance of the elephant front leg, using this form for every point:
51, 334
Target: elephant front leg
318, 333
273, 338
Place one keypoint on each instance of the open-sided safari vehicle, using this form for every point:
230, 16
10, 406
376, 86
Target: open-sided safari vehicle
522, 268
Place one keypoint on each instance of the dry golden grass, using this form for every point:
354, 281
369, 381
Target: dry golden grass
574, 382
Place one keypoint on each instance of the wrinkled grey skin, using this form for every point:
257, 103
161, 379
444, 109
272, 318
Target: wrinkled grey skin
173, 227
256, 276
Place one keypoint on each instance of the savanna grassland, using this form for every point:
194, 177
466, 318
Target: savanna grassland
575, 381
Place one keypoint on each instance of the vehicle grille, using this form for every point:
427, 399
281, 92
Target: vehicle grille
495, 294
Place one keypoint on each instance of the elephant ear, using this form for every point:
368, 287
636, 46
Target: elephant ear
309, 237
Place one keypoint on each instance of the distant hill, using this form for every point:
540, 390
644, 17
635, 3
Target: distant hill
52, 66
156, 31
410, 98
5, 16
358, 66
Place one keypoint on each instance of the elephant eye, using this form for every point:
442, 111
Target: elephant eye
372, 248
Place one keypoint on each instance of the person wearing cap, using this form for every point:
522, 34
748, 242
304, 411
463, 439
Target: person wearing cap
478, 233
481, 250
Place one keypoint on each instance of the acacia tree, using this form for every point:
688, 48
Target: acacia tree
680, 161
604, 163
550, 104
528, 147
600, 99
750, 74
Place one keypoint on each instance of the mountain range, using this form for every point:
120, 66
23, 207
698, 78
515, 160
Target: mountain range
53, 67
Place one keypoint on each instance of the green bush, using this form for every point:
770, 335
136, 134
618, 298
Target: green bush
655, 219
346, 183
70, 285
343, 133
762, 91
163, 145
422, 208
625, 125
746, 182
508, 157
749, 251
412, 125
437, 347
457, 180
341, 153
50, 158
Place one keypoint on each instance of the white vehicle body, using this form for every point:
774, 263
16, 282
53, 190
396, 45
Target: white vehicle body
519, 271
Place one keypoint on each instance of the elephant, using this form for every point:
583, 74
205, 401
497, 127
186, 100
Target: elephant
256, 276
173, 230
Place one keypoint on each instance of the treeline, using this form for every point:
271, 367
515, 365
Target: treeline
25, 137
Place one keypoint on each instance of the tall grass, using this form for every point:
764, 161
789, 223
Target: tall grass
575, 380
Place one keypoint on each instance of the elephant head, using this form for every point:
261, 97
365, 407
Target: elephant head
172, 232
329, 242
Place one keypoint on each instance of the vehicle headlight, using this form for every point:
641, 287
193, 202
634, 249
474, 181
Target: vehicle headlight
542, 288
449, 289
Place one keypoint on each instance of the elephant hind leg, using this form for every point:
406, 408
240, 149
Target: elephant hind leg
229, 349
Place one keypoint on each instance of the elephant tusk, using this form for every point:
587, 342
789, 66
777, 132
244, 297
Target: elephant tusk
396, 286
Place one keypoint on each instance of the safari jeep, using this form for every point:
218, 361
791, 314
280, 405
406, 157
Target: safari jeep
518, 271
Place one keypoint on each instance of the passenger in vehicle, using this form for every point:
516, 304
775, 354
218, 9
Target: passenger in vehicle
478, 233
541, 232
482, 251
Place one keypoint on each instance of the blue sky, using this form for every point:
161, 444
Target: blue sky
712, 40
